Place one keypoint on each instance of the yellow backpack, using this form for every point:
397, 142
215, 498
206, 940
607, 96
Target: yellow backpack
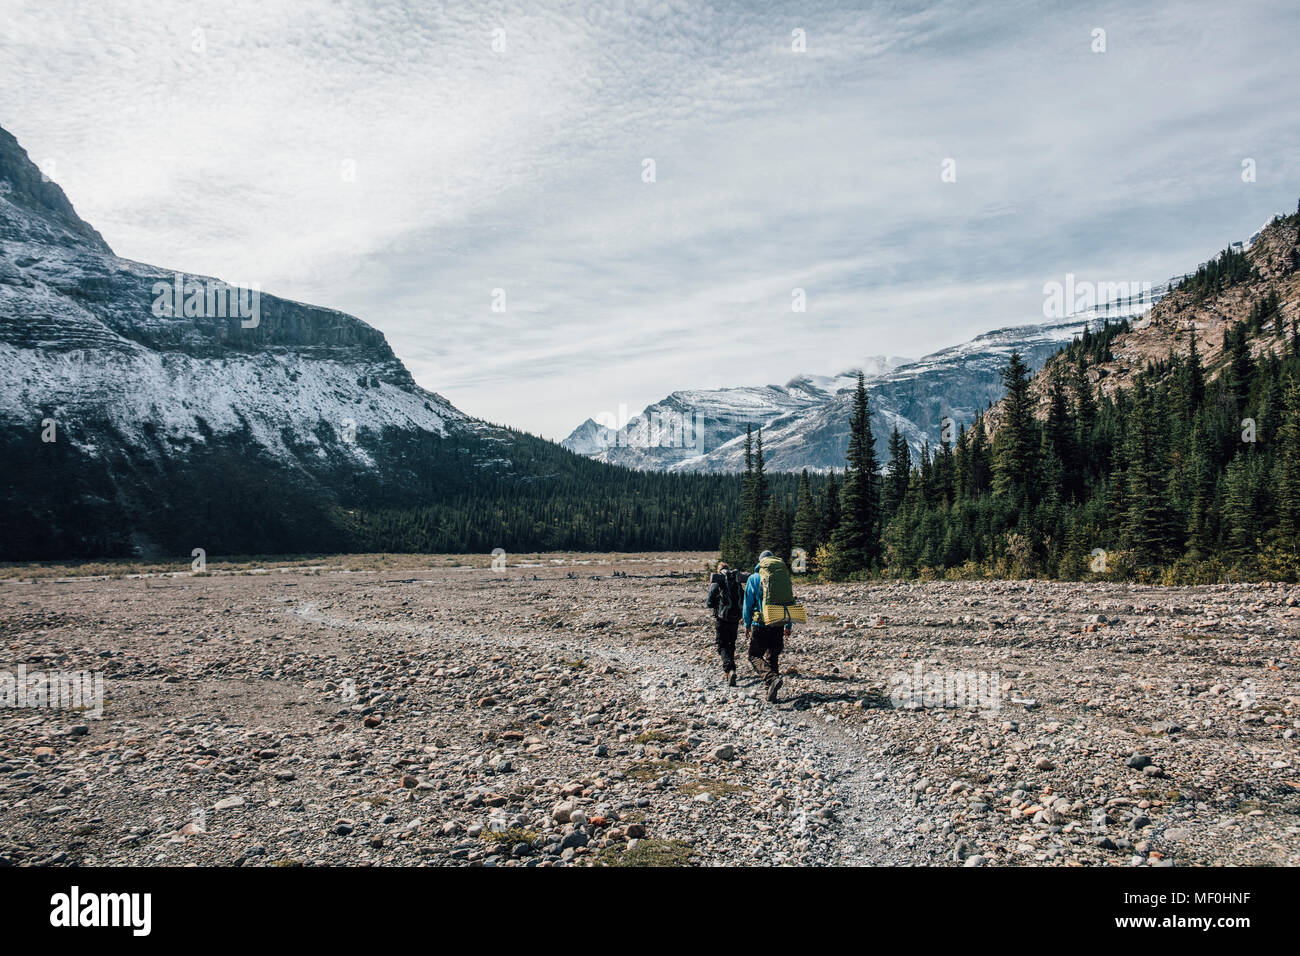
779, 606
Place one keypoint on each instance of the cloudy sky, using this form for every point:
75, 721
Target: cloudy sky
403, 161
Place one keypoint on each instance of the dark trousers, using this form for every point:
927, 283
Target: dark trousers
726, 640
765, 647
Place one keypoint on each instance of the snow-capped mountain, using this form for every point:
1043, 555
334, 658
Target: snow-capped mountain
805, 422
130, 388
689, 425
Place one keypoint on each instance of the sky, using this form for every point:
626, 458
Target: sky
920, 171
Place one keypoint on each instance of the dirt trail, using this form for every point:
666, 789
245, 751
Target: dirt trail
673, 680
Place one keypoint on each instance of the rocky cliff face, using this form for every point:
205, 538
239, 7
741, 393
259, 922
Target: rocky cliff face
122, 400
1274, 255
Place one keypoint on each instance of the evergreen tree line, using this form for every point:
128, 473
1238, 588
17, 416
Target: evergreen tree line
557, 501
1183, 476
461, 493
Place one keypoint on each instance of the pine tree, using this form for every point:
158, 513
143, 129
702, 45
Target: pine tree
828, 506
807, 532
896, 474
754, 496
945, 472
925, 474
776, 531
1200, 470
1059, 440
981, 460
732, 547
1240, 493
1014, 445
856, 542
1085, 404
1241, 366
1148, 525
1286, 478
1195, 370
1269, 411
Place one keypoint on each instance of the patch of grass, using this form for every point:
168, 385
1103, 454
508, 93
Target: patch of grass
655, 736
509, 836
1245, 806
650, 853
647, 770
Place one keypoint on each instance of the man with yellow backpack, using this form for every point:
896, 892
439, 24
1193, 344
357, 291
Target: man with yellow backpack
770, 611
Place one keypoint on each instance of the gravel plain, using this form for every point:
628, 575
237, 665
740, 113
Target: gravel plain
570, 710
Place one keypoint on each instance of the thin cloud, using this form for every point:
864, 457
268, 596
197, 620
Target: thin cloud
386, 160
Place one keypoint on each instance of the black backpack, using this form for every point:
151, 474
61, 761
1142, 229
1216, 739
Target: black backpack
729, 607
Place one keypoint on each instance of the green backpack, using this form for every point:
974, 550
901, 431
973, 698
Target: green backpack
778, 589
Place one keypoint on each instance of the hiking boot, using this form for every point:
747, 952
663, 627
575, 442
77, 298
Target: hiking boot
772, 688
731, 678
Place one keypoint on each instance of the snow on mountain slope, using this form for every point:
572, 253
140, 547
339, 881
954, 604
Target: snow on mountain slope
687, 424
80, 332
805, 423
686, 429
146, 393
953, 383
141, 410
590, 438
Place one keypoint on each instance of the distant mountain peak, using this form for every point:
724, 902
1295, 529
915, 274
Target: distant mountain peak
805, 423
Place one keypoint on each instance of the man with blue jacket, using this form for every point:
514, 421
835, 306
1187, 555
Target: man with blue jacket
765, 642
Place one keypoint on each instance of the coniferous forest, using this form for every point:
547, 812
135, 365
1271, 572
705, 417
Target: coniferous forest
1190, 474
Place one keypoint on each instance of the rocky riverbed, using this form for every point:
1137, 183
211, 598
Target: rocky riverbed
566, 713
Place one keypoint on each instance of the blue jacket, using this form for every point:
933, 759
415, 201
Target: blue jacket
753, 598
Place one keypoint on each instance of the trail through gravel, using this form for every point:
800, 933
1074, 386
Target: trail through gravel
571, 711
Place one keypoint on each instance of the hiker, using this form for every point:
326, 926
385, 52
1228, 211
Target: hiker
725, 600
766, 642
